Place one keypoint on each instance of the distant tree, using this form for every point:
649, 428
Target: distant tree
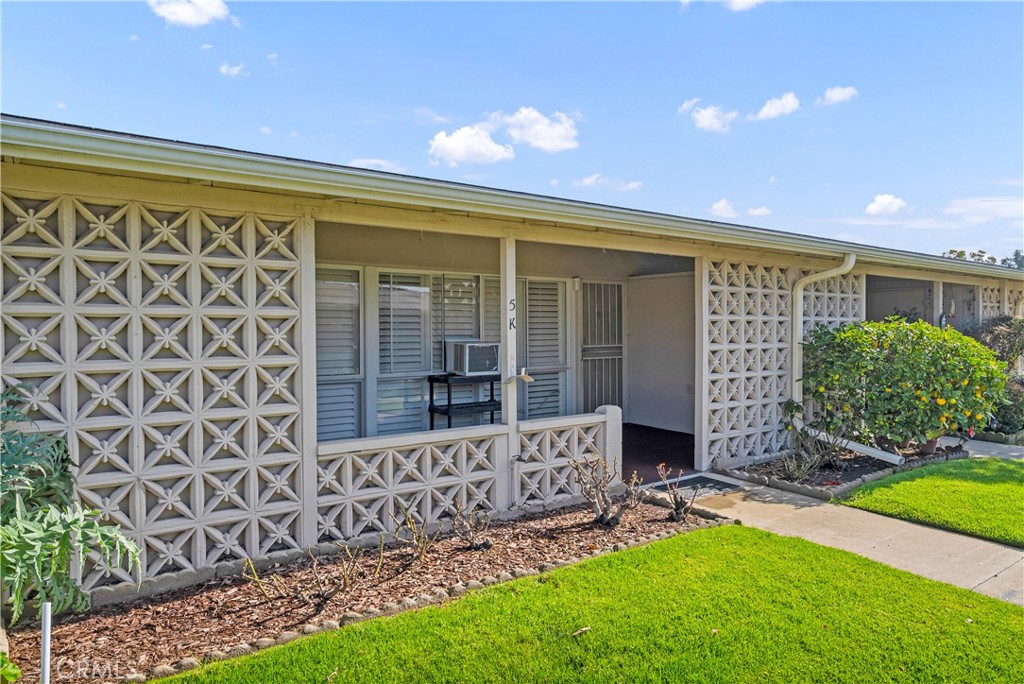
983, 257
1015, 260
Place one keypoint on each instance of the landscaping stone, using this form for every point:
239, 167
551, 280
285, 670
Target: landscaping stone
350, 617
457, 590
546, 567
309, 629
329, 625
425, 599
371, 612
474, 584
162, 671
135, 677
186, 664
519, 572
239, 650
287, 637
264, 642
390, 607
504, 576
407, 603
489, 581
218, 654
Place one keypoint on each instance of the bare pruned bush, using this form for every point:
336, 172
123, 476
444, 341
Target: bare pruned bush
595, 479
676, 494
413, 533
470, 525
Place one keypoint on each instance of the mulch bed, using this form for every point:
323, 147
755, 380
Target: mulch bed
108, 643
853, 470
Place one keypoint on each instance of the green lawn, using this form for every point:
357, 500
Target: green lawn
983, 497
730, 604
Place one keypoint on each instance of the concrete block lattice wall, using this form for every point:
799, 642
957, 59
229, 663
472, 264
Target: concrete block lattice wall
161, 342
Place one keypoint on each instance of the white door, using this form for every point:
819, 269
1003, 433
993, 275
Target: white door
602, 349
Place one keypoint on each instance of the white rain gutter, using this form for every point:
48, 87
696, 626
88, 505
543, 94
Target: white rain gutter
797, 356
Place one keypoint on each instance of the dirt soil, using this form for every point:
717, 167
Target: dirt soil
108, 643
851, 465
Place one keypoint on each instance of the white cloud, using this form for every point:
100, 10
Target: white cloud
595, 180
527, 125
885, 205
468, 145
60, 105
189, 12
378, 165
712, 118
430, 115
293, 134
265, 130
975, 210
723, 208
272, 58
772, 180
133, 38
687, 105
553, 182
590, 181
235, 21
759, 211
232, 71
837, 94
206, 46
743, 5
777, 106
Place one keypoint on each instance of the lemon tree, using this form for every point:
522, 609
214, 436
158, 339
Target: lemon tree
903, 381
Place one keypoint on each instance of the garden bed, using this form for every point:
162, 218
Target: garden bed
232, 616
829, 483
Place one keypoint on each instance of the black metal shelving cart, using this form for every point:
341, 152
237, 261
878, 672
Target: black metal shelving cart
465, 408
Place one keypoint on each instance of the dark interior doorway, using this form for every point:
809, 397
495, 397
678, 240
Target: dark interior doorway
643, 448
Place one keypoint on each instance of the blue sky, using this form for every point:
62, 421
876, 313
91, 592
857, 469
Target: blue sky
894, 124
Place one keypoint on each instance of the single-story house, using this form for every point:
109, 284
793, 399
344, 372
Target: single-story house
238, 347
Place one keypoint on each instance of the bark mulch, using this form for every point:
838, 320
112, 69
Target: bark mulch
851, 466
109, 643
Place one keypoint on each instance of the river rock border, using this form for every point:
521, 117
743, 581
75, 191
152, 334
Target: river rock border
707, 519
844, 490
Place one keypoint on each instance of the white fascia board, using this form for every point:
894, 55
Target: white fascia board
58, 143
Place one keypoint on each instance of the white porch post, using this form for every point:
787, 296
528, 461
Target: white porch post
702, 388
937, 306
307, 377
504, 497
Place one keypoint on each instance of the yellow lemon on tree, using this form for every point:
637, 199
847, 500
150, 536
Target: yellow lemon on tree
952, 426
966, 382
952, 401
940, 401
978, 416
967, 412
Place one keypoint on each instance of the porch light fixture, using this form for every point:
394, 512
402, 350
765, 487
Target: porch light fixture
523, 375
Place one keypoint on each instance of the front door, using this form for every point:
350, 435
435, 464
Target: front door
601, 345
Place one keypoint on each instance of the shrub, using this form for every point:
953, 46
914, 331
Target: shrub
1004, 335
42, 529
902, 381
1009, 417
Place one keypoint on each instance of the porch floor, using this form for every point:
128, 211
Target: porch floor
643, 448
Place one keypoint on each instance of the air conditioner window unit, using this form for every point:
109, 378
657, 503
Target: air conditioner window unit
472, 357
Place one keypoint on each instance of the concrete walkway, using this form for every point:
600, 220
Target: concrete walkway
981, 566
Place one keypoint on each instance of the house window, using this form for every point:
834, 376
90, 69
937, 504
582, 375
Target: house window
417, 313
338, 355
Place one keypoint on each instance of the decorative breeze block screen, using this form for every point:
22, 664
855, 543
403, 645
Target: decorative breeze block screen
991, 303
543, 473
366, 491
748, 351
161, 341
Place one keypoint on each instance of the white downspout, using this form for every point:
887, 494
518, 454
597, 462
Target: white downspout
796, 389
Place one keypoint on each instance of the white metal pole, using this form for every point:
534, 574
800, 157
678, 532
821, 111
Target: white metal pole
44, 665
